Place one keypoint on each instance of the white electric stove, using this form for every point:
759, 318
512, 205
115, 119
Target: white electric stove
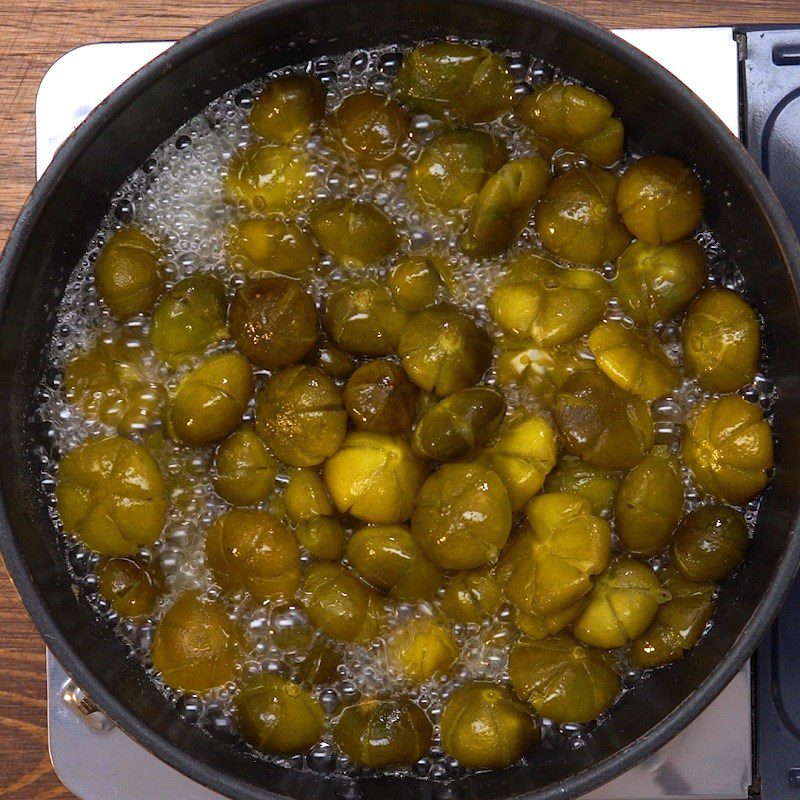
710, 760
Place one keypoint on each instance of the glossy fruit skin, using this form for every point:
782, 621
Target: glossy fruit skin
300, 415
504, 205
362, 317
453, 79
268, 176
270, 244
660, 199
305, 496
443, 350
421, 650
189, 317
453, 168
425, 401
462, 516
574, 476
380, 398
245, 470
275, 715
440, 260
375, 477
333, 361
523, 455
540, 371
679, 623
576, 119
562, 679
523, 363
601, 423
320, 665
128, 587
655, 282
553, 563
721, 341
458, 424
128, 273
288, 108
323, 537
339, 604
274, 322
377, 733
388, 558
540, 626
210, 400
577, 220
472, 595
485, 726
546, 303
371, 128
710, 543
621, 606
649, 503
356, 233
253, 551
111, 495
634, 360
727, 446
414, 283
110, 381
196, 646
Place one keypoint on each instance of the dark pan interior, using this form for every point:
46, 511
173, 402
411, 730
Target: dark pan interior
68, 206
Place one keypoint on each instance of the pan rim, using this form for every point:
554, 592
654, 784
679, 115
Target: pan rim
127, 94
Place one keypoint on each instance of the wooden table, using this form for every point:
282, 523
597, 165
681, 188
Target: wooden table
33, 34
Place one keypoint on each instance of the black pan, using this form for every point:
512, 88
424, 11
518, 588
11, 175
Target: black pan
67, 206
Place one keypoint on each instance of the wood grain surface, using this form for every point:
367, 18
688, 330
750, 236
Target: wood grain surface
33, 34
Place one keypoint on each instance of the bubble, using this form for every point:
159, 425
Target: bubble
437, 771
80, 558
518, 65
751, 394
609, 270
359, 62
328, 78
389, 63
259, 622
565, 161
321, 758
324, 64
218, 720
273, 666
422, 767
291, 628
190, 706
329, 700
124, 211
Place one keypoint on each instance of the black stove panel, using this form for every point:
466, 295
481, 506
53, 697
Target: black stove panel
769, 70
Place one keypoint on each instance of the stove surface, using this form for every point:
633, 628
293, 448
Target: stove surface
711, 759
